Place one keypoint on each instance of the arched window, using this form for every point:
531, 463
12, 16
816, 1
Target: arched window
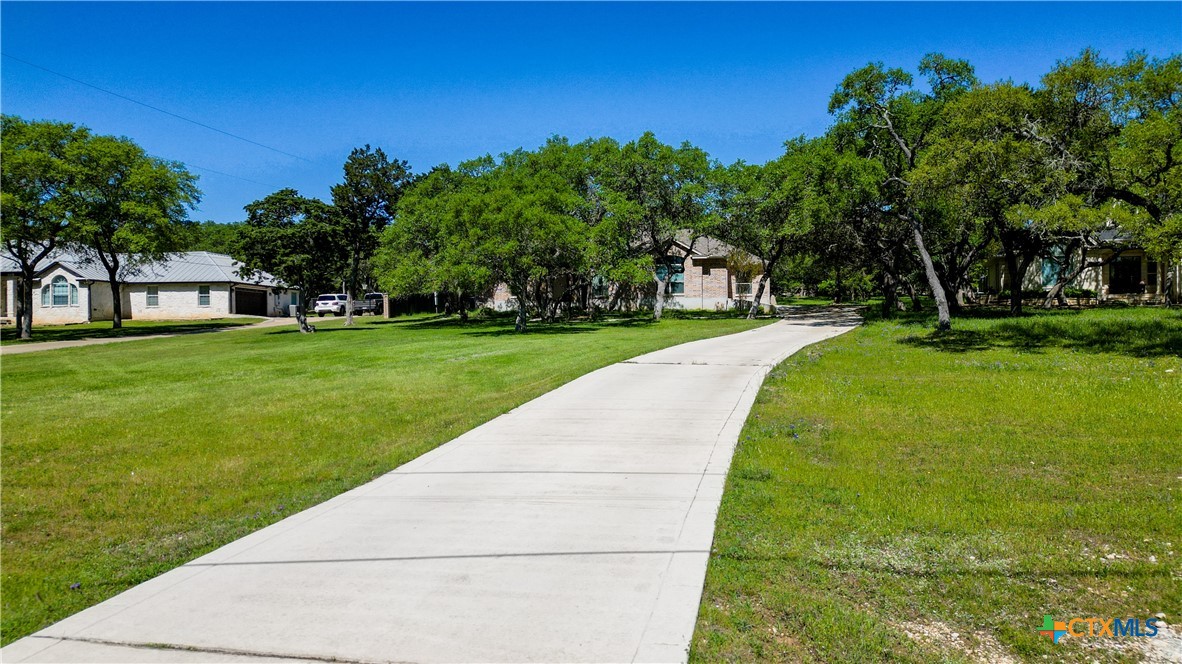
73, 294
61, 291
45, 295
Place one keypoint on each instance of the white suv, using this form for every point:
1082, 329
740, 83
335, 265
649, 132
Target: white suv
333, 303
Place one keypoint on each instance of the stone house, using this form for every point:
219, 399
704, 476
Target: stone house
1133, 276
191, 285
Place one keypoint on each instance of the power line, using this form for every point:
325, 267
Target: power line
236, 177
157, 109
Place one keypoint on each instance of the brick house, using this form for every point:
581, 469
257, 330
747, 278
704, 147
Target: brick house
716, 277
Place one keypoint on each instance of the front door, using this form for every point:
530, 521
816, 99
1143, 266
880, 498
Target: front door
1126, 275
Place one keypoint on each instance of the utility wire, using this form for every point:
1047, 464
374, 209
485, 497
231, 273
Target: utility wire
155, 108
236, 177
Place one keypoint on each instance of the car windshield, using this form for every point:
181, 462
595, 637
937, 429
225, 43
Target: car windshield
326, 298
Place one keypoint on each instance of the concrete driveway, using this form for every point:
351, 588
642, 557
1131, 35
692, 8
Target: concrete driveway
575, 528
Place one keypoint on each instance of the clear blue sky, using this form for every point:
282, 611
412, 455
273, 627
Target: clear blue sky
434, 83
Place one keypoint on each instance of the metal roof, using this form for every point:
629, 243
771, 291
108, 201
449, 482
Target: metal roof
186, 267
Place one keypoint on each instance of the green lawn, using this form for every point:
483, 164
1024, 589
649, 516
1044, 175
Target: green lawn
893, 481
131, 328
125, 460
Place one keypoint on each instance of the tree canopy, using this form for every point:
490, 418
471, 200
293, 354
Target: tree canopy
923, 174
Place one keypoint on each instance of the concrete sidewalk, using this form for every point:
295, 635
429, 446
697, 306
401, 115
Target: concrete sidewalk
575, 528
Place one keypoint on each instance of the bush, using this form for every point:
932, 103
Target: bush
1026, 295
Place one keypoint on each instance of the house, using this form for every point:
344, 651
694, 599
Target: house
715, 276
190, 285
1119, 279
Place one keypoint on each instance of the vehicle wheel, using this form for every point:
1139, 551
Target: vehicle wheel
320, 314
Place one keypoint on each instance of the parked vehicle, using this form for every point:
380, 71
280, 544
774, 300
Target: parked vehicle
331, 303
336, 303
372, 303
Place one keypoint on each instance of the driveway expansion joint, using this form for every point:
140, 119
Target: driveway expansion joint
215, 651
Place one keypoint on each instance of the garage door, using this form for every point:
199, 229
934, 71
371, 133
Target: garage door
250, 302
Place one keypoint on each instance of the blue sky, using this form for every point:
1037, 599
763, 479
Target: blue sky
433, 83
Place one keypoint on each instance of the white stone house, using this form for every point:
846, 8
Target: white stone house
186, 286
1132, 276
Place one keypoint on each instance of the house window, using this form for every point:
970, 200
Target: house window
61, 292
203, 296
677, 283
676, 280
153, 296
1151, 275
599, 287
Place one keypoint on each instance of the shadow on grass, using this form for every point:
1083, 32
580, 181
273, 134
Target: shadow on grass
131, 329
1136, 333
324, 330
497, 325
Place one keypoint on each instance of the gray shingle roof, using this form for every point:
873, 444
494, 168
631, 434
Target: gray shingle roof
706, 246
187, 267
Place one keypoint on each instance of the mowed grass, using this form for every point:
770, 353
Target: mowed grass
123, 461
131, 328
894, 487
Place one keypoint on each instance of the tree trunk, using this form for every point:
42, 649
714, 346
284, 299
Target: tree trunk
116, 304
24, 306
519, 326
916, 303
1065, 277
302, 321
355, 265
890, 297
955, 296
929, 268
659, 301
618, 300
1017, 267
755, 306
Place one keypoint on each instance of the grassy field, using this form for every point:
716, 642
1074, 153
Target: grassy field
902, 495
123, 461
131, 328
